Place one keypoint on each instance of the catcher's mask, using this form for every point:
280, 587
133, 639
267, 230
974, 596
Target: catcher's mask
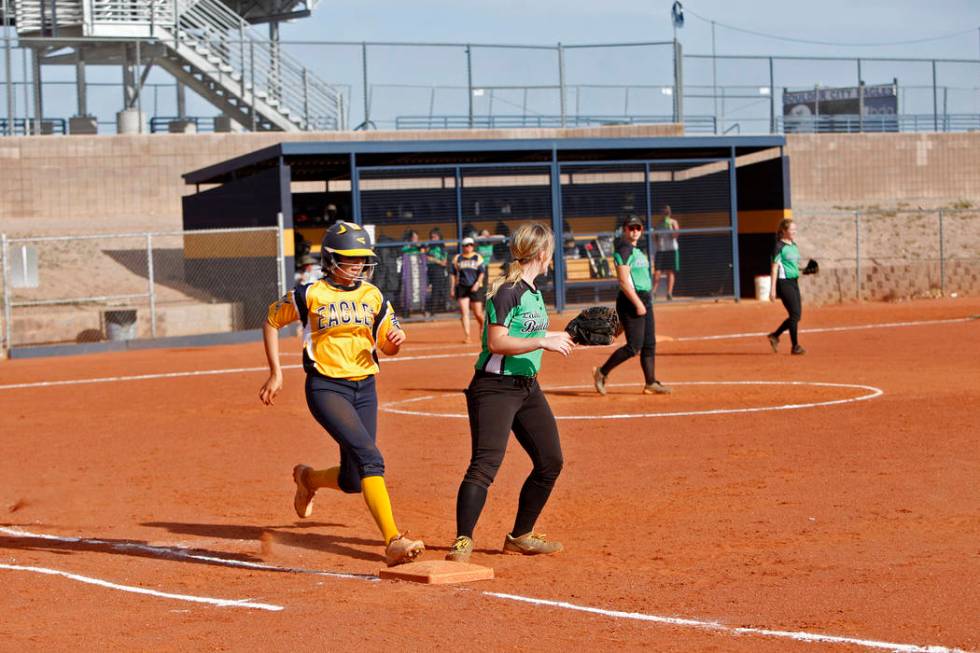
342, 242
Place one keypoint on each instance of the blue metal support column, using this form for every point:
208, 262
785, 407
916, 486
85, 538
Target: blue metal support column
649, 217
733, 209
556, 227
459, 214
355, 189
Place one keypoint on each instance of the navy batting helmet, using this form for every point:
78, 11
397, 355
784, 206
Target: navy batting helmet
345, 239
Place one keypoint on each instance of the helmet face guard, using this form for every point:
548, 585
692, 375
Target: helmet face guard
347, 271
344, 241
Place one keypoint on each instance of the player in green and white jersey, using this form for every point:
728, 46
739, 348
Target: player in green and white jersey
785, 283
504, 396
634, 305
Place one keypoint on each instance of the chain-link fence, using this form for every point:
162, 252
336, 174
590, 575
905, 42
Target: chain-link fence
876, 254
405, 85
113, 287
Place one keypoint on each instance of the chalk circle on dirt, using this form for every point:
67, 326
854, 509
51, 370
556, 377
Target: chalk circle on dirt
406, 406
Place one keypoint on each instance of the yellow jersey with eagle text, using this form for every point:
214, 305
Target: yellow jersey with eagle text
342, 326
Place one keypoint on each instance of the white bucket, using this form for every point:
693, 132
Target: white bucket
120, 324
763, 284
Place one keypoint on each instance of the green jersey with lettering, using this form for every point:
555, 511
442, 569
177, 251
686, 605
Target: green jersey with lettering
521, 309
638, 263
787, 257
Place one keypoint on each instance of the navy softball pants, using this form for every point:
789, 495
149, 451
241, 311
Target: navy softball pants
348, 411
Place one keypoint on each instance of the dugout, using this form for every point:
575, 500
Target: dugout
728, 194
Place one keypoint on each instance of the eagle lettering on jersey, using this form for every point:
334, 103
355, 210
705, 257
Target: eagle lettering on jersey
343, 313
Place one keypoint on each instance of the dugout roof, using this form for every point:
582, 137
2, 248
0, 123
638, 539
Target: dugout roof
313, 161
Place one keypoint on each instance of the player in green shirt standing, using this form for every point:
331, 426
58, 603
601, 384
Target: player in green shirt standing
785, 284
634, 305
504, 396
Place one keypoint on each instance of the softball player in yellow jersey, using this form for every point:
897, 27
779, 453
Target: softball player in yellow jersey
345, 321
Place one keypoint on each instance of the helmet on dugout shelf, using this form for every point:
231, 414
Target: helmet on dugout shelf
346, 239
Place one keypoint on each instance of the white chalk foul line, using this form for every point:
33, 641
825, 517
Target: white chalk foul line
800, 636
872, 392
405, 359
175, 375
179, 553
855, 327
223, 603
170, 552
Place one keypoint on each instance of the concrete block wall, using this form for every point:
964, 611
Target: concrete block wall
928, 170
101, 184
892, 282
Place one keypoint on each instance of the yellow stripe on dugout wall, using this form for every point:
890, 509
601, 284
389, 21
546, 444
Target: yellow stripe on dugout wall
232, 244
761, 222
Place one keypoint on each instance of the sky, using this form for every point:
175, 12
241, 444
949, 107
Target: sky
593, 21
410, 81
864, 23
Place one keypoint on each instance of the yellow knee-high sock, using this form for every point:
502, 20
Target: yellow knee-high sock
377, 500
318, 478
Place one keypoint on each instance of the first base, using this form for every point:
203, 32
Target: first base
437, 572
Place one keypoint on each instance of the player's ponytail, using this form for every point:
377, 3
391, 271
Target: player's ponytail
528, 241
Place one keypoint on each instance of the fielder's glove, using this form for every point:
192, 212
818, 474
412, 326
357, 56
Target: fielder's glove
812, 267
596, 325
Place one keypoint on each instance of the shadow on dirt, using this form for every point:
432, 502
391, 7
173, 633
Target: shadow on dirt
283, 535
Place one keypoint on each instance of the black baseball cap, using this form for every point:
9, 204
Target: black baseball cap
633, 219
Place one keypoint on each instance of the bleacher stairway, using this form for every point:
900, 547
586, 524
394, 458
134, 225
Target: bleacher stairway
205, 45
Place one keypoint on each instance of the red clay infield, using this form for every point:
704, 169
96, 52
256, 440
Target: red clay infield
845, 526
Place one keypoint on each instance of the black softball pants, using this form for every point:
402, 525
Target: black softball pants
789, 292
497, 405
640, 337
348, 411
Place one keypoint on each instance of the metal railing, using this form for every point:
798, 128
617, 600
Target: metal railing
259, 66
389, 81
880, 123
692, 124
24, 127
206, 32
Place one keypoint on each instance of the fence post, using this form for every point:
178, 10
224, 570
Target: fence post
733, 212
772, 98
935, 100
469, 85
151, 286
857, 254
280, 256
561, 82
306, 98
8, 77
251, 74
4, 265
138, 79
241, 55
942, 256
364, 78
